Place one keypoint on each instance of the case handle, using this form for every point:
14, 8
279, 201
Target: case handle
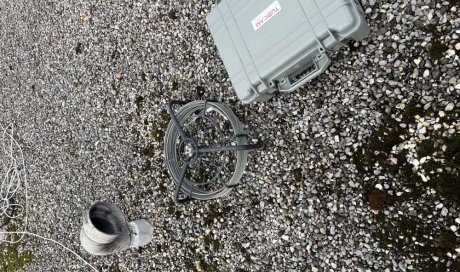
320, 65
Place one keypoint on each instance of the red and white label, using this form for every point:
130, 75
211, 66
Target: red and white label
266, 15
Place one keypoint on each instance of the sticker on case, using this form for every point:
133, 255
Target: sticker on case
266, 15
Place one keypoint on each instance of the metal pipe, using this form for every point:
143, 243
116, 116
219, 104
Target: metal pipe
105, 230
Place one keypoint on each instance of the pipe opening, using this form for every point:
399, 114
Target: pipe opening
103, 225
106, 220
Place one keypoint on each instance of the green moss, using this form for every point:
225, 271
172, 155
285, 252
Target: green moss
207, 267
406, 234
432, 29
174, 86
379, 145
158, 127
437, 50
78, 48
13, 257
297, 174
171, 208
448, 186
411, 110
216, 213
146, 167
430, 266
378, 200
425, 148
114, 268
199, 176
178, 214
430, 166
401, 236
143, 76
361, 160
138, 101
444, 182
382, 238
172, 15
162, 188
200, 91
198, 263
447, 240
149, 151
387, 136
244, 252
190, 264
453, 150
211, 243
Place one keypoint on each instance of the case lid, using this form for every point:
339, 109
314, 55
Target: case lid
260, 41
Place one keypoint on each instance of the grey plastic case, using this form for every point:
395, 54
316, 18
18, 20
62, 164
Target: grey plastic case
280, 45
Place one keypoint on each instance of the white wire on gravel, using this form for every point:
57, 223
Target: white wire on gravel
13, 182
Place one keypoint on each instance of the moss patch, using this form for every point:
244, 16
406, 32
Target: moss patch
162, 188
211, 243
379, 145
158, 127
143, 76
172, 15
297, 174
171, 208
425, 148
199, 264
174, 86
437, 50
200, 91
148, 151
207, 266
14, 257
424, 235
244, 252
378, 200
114, 268
453, 150
215, 213
78, 48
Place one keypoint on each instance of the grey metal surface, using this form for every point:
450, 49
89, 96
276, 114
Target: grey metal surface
106, 231
270, 46
141, 232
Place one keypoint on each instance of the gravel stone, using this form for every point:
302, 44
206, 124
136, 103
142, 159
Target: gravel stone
449, 107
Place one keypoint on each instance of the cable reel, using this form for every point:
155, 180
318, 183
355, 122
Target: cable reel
206, 149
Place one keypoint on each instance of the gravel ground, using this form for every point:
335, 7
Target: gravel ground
361, 169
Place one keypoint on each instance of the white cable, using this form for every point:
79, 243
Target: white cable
14, 179
54, 241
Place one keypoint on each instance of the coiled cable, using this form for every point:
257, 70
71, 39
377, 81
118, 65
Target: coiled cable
186, 116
